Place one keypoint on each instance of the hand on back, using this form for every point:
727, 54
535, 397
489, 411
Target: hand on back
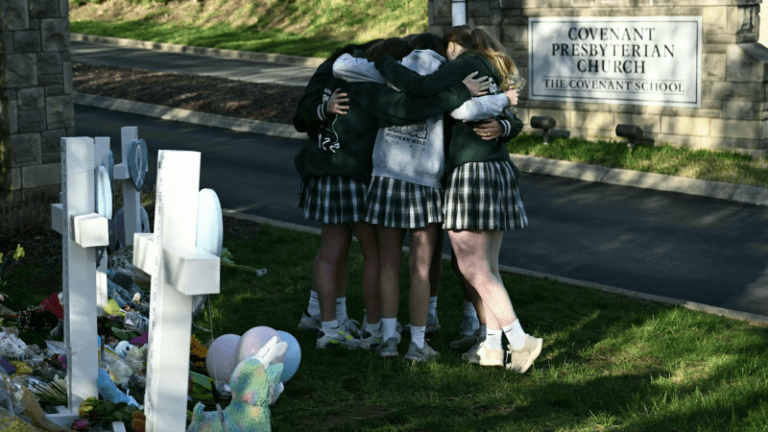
479, 86
336, 104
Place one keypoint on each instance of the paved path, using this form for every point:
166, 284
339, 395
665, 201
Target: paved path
710, 251
259, 71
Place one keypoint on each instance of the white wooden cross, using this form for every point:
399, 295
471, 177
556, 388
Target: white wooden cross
179, 270
82, 231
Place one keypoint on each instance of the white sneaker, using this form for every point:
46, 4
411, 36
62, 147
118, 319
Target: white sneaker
350, 327
310, 322
480, 354
389, 348
370, 340
522, 359
421, 354
340, 338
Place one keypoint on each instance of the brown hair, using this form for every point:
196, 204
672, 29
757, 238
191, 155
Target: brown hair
480, 42
396, 47
350, 48
428, 41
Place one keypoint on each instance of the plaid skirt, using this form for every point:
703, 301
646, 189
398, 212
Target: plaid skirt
400, 204
333, 199
483, 196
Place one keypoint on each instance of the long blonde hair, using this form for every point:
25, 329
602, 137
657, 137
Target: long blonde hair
480, 42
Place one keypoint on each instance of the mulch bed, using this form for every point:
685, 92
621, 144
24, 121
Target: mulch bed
266, 102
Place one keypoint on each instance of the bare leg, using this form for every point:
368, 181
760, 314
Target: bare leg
390, 255
470, 293
334, 244
366, 235
341, 281
436, 269
420, 264
474, 252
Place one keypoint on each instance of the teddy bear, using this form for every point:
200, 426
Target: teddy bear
255, 384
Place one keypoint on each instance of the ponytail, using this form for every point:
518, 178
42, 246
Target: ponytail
489, 47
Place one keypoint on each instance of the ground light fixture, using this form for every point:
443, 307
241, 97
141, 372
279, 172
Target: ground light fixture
632, 133
545, 124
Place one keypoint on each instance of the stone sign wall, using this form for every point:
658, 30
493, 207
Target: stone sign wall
36, 100
734, 68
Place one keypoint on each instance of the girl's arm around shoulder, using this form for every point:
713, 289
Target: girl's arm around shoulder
422, 85
352, 69
480, 108
395, 108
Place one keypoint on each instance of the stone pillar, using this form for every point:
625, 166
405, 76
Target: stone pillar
734, 65
36, 99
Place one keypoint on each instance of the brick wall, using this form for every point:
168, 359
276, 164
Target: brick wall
36, 100
734, 70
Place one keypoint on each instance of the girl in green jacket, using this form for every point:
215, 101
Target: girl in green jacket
482, 199
317, 106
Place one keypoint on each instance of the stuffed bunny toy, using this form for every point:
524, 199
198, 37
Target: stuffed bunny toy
255, 384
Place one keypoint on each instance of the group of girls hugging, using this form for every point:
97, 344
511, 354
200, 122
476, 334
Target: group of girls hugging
408, 134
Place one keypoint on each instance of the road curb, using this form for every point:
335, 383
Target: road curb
712, 189
194, 117
208, 52
699, 307
531, 164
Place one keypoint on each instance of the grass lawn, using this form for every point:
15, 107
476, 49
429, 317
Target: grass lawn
609, 363
222, 36
307, 28
722, 166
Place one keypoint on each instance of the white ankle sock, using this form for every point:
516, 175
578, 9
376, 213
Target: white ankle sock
341, 309
388, 328
469, 309
417, 335
314, 304
330, 327
373, 328
493, 339
432, 306
515, 335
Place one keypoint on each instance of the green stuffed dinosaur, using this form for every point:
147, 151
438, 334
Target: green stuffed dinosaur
255, 384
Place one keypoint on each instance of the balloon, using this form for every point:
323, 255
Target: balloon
222, 357
253, 340
292, 356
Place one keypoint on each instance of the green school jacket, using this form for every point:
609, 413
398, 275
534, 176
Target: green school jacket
464, 144
345, 148
310, 111
308, 117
